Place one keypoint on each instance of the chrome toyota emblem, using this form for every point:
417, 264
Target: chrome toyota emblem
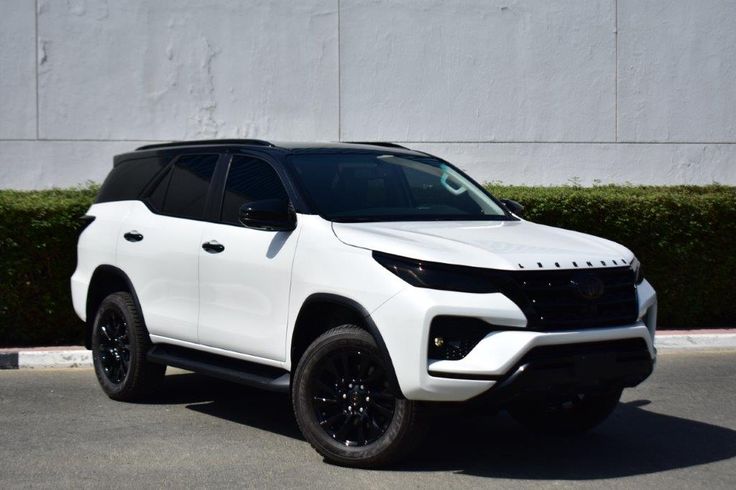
587, 285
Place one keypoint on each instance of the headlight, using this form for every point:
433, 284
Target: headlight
638, 271
432, 275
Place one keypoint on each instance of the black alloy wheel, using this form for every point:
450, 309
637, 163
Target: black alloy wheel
114, 346
346, 404
351, 397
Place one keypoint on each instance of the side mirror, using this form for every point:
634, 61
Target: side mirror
268, 214
513, 206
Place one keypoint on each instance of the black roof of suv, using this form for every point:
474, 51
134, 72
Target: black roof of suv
280, 144
273, 147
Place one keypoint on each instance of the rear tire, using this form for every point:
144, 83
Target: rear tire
579, 413
344, 404
119, 345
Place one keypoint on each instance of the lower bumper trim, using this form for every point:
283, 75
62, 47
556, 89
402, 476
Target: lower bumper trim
570, 367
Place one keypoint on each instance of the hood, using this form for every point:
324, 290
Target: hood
509, 245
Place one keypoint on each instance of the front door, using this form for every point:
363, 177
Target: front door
245, 274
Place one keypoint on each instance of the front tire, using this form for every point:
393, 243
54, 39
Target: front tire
344, 404
574, 414
119, 345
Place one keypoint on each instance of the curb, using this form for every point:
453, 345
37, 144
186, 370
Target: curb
695, 339
45, 357
79, 357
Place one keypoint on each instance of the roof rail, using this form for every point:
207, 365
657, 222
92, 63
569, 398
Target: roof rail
206, 143
386, 144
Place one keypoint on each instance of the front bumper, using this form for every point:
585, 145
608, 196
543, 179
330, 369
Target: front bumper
404, 323
550, 371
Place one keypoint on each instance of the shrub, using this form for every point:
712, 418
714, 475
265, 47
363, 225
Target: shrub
38, 234
684, 236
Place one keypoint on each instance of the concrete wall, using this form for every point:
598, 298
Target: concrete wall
518, 91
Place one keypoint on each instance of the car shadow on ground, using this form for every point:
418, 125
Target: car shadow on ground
633, 441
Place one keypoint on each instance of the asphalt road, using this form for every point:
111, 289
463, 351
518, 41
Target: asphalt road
57, 429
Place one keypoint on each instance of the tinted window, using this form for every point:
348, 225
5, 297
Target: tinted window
249, 179
156, 198
183, 192
374, 187
127, 179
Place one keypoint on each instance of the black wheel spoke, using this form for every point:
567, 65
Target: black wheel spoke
325, 388
104, 329
321, 399
344, 429
328, 422
382, 396
381, 408
331, 369
361, 433
374, 427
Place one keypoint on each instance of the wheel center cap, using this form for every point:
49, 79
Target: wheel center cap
356, 396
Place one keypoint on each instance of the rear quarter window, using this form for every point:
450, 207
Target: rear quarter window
127, 180
182, 192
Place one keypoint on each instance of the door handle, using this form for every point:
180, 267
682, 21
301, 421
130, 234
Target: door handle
133, 236
213, 247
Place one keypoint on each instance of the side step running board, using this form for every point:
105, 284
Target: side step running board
227, 368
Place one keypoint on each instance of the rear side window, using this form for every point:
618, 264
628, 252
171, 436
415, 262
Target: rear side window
127, 180
183, 191
249, 179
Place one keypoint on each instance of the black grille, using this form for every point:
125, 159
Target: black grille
551, 301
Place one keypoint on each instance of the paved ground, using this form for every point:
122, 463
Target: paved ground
57, 429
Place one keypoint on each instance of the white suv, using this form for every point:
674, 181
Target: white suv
365, 280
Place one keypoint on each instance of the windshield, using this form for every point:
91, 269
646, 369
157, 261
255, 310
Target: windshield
374, 187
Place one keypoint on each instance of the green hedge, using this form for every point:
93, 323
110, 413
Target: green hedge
684, 236
38, 235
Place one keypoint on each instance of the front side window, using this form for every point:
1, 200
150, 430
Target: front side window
183, 191
249, 179
373, 187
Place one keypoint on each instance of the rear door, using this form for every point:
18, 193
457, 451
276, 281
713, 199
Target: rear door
244, 284
160, 243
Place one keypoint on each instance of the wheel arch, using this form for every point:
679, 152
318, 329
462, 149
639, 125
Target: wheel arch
340, 310
106, 279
